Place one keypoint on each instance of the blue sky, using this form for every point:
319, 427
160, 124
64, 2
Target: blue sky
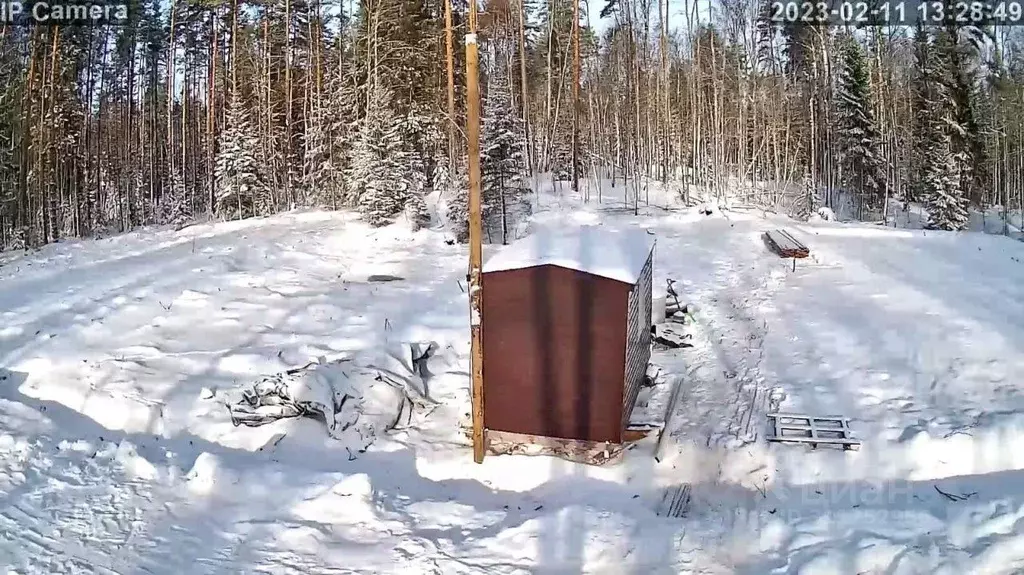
676, 12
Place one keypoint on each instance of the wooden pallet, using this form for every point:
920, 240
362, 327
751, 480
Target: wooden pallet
785, 245
801, 428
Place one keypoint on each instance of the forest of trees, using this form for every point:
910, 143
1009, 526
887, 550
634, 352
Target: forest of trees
240, 108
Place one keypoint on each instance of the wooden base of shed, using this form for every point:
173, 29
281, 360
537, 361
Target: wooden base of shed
575, 450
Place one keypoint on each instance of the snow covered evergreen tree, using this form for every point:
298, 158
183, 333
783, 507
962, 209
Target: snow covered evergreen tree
944, 198
945, 158
922, 84
329, 140
386, 175
173, 208
861, 150
240, 176
375, 172
442, 175
317, 168
416, 131
968, 137
502, 158
11, 236
458, 205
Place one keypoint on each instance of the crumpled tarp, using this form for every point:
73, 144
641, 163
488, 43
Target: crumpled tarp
382, 385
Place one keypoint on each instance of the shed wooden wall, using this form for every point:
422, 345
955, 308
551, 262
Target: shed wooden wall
554, 353
638, 339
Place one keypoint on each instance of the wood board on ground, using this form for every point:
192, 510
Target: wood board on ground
669, 410
783, 243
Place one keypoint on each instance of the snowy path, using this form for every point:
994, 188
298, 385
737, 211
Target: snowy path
723, 371
919, 338
111, 462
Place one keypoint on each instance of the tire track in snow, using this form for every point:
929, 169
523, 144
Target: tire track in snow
740, 328
725, 366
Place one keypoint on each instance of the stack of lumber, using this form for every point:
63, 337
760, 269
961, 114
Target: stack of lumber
785, 245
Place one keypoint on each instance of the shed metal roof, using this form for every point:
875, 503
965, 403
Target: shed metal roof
614, 254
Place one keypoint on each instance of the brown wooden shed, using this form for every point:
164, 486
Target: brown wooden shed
567, 332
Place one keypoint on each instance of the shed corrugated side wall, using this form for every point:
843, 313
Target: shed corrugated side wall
553, 353
638, 339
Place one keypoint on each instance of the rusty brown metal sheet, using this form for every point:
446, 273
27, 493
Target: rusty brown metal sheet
554, 353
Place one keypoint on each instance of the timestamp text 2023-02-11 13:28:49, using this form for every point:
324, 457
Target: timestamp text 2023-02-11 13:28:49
898, 12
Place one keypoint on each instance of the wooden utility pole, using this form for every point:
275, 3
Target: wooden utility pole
476, 367
576, 95
450, 56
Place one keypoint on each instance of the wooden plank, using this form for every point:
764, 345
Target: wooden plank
669, 410
784, 240
784, 244
633, 434
795, 243
803, 427
785, 415
828, 440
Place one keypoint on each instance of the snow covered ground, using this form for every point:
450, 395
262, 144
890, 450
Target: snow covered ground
114, 459
990, 221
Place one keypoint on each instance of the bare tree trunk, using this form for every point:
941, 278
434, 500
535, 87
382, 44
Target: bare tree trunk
547, 107
450, 63
170, 90
524, 86
288, 115
211, 103
576, 95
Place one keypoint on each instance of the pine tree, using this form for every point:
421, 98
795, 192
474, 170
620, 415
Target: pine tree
10, 235
8, 167
316, 156
944, 160
969, 137
947, 207
241, 177
922, 85
9, 93
173, 208
765, 31
502, 158
329, 140
457, 201
861, 150
384, 172
417, 132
